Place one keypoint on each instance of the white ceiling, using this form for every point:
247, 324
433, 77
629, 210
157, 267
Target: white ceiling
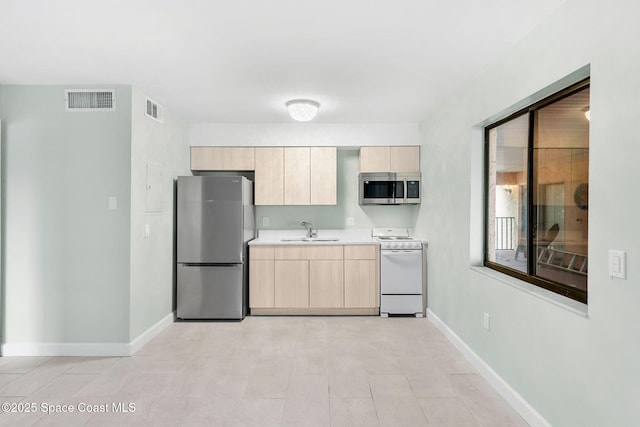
241, 60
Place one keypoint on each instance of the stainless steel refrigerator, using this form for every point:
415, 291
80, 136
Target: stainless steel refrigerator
215, 220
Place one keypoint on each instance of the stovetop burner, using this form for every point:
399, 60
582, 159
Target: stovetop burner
394, 238
392, 234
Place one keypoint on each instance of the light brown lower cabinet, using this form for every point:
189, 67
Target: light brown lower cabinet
326, 283
359, 278
291, 283
261, 277
308, 279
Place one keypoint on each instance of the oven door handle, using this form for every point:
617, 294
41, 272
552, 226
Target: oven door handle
401, 252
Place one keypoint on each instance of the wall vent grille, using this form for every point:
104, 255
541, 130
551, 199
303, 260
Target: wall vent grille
83, 100
154, 111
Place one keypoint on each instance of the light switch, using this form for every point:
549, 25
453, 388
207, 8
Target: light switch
265, 221
486, 321
617, 264
113, 203
147, 230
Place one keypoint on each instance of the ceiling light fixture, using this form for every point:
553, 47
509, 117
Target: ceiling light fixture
302, 110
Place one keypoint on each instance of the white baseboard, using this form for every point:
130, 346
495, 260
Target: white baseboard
87, 349
65, 349
149, 334
526, 411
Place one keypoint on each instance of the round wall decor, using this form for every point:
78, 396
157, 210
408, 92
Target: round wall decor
581, 196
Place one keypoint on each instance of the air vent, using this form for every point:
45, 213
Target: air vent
154, 111
83, 100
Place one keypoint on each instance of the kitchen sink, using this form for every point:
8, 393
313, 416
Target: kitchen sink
309, 239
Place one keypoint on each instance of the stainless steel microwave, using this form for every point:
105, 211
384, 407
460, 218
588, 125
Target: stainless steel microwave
388, 188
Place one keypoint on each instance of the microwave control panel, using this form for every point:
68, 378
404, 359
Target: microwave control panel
413, 189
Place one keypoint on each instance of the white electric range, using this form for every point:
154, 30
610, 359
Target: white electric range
401, 288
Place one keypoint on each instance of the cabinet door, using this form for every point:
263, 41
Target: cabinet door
360, 283
222, 158
374, 159
206, 158
261, 283
238, 158
323, 175
269, 177
405, 159
326, 288
261, 276
297, 175
291, 283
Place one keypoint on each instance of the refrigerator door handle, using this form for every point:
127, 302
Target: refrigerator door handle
209, 264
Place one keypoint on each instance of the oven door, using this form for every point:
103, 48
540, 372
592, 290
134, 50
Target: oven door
401, 272
381, 189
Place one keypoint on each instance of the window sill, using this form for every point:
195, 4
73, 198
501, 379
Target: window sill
568, 304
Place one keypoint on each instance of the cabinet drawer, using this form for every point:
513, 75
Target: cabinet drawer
261, 252
360, 252
291, 252
324, 252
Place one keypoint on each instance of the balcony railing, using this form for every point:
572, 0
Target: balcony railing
505, 233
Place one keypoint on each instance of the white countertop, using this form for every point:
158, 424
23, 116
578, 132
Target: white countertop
345, 237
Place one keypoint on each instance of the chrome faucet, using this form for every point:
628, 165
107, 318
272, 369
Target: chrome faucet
309, 227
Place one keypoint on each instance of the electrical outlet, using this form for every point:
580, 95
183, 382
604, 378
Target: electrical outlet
349, 222
486, 321
147, 230
265, 221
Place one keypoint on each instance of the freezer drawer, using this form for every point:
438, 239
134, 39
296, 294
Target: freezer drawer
211, 292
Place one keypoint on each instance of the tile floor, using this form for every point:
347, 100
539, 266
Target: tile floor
264, 371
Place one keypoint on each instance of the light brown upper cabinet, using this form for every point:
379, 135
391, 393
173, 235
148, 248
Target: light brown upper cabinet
390, 159
297, 175
283, 175
324, 174
269, 176
304, 175
222, 158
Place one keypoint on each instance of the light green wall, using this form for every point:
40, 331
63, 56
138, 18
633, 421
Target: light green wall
333, 217
574, 370
165, 145
66, 264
